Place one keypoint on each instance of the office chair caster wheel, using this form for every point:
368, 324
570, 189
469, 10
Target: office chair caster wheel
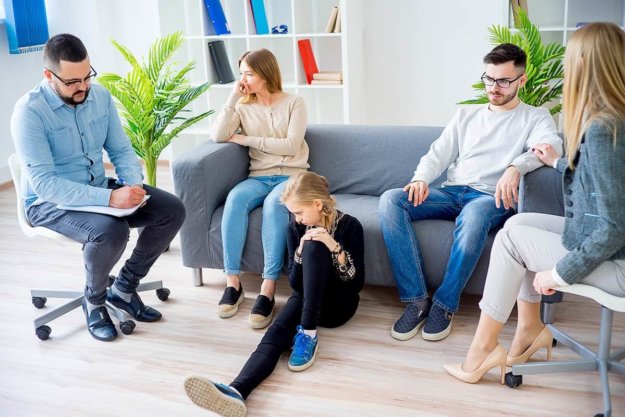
43, 332
111, 280
39, 302
127, 327
513, 381
163, 294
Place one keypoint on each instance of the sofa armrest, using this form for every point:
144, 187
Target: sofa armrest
203, 177
540, 191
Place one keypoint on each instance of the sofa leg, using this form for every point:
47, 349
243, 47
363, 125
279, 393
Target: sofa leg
197, 277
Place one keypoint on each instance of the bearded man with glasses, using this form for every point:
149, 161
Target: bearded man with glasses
61, 129
485, 150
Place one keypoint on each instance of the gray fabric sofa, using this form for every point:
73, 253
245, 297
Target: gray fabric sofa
360, 162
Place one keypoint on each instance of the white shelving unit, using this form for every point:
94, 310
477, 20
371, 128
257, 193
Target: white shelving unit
557, 19
305, 19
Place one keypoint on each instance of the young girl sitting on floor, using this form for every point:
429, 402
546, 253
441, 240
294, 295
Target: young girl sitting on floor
326, 273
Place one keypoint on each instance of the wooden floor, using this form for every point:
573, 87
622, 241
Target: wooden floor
360, 369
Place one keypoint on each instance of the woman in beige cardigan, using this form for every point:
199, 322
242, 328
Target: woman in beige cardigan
271, 124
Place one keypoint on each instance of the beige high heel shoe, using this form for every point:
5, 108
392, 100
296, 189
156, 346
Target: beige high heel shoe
495, 358
544, 339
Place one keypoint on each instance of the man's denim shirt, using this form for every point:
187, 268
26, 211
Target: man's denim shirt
60, 147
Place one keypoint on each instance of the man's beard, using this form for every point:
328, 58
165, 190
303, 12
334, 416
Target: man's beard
70, 100
503, 99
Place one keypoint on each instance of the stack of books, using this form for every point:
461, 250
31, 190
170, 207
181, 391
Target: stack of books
327, 78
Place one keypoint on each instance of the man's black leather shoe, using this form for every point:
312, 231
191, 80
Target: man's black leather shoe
99, 323
135, 307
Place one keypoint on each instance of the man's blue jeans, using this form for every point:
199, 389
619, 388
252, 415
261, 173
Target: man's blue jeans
242, 199
475, 214
104, 238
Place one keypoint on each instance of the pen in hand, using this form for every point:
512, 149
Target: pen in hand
126, 196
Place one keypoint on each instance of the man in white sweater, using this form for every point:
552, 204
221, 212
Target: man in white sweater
485, 150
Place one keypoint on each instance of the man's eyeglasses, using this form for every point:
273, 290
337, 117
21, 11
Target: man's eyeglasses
501, 82
76, 83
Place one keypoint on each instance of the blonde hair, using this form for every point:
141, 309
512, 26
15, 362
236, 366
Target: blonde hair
305, 188
264, 64
594, 81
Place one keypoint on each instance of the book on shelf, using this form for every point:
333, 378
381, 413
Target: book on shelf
217, 17
221, 64
326, 82
26, 25
328, 75
332, 20
337, 25
308, 59
260, 17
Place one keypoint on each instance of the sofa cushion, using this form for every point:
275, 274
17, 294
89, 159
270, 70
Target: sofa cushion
368, 160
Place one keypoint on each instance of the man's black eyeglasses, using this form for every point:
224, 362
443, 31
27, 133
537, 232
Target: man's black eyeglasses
501, 82
75, 83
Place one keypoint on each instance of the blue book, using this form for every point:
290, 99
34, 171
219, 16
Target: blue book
26, 24
217, 16
260, 17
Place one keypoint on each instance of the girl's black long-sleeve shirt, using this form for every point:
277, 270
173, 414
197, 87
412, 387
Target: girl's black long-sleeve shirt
349, 234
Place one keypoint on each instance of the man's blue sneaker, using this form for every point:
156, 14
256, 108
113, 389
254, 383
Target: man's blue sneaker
438, 324
304, 351
409, 324
216, 397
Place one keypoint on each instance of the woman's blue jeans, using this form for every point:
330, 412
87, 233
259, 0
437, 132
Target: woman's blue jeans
243, 198
474, 213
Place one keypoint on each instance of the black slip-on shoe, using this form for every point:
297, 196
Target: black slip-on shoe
135, 307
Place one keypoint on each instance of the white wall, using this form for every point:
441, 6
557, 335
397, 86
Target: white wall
421, 57
132, 23
16, 71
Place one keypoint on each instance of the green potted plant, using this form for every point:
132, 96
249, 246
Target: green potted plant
151, 98
545, 67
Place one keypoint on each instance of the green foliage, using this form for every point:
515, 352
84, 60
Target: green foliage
545, 68
152, 97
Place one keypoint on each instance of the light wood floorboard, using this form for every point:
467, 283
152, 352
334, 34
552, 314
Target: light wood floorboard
360, 370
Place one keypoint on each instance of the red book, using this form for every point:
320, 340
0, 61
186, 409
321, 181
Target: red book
308, 59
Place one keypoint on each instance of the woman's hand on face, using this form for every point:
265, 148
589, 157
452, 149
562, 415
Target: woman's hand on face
546, 153
544, 283
240, 88
320, 234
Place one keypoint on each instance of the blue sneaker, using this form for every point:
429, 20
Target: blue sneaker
438, 324
410, 322
304, 351
215, 397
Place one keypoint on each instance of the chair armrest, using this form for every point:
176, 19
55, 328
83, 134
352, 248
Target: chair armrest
540, 191
203, 177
